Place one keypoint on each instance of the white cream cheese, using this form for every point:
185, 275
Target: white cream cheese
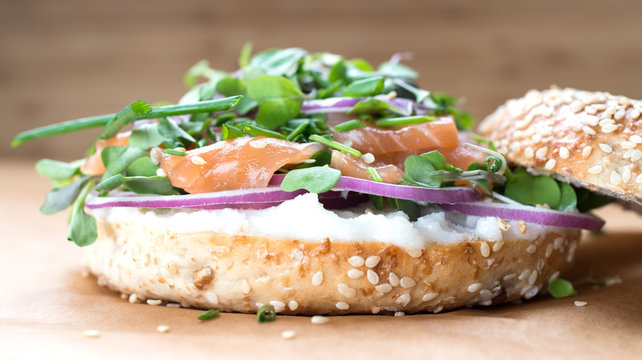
304, 218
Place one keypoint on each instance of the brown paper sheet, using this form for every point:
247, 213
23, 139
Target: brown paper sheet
46, 306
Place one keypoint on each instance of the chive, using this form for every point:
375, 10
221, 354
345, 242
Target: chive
174, 152
102, 120
209, 314
299, 129
374, 174
404, 120
266, 313
349, 125
259, 131
335, 145
230, 132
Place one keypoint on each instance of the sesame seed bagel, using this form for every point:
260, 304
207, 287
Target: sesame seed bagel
590, 139
240, 273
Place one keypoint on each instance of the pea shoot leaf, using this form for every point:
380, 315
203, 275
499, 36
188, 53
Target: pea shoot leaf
560, 288
421, 170
315, 179
279, 100
142, 167
568, 199
230, 86
170, 129
338, 73
588, 200
60, 199
365, 87
246, 55
82, 226
145, 137
117, 158
149, 185
396, 70
56, 170
278, 61
532, 190
375, 106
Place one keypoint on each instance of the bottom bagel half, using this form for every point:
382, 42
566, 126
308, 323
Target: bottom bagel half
239, 273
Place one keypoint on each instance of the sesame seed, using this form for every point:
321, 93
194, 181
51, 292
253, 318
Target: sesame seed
155, 155
557, 243
564, 153
595, 170
163, 329
393, 279
626, 175
258, 144
278, 305
173, 305
400, 313
532, 278
549, 250
288, 334
577, 106
586, 152
536, 138
627, 154
486, 303
414, 252
133, 298
606, 148
342, 305
368, 158
636, 139
161, 172
529, 153
553, 276
524, 274
384, 288
541, 152
521, 225
515, 146
588, 130
605, 122
498, 246
154, 302
615, 178
318, 319
355, 273
293, 305
580, 303
317, 278
403, 299
372, 261
92, 334
503, 225
473, 288
438, 309
635, 114
619, 115
484, 249
485, 294
124, 296
407, 282
181, 149
429, 296
372, 277
628, 145
531, 292
531, 249
609, 128
550, 164
197, 160
638, 179
356, 261
509, 276
376, 309
636, 155
346, 290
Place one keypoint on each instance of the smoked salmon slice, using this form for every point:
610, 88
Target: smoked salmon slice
94, 164
240, 163
355, 167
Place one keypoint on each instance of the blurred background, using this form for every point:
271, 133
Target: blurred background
61, 60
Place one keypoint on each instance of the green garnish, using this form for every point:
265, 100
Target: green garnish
316, 179
57, 170
560, 288
279, 100
82, 227
365, 87
335, 145
376, 200
259, 131
61, 198
266, 313
297, 130
103, 120
209, 315
349, 125
174, 152
404, 120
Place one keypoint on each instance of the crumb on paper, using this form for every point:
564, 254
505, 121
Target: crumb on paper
580, 303
163, 329
91, 334
318, 319
288, 334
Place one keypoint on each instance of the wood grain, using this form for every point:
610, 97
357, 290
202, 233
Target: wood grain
61, 60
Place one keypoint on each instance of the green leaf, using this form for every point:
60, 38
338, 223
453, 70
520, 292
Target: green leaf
201, 69
110, 183
82, 227
436, 159
365, 87
142, 167
409, 207
397, 71
316, 179
560, 288
278, 61
568, 199
56, 170
321, 157
338, 72
230, 86
130, 113
246, 54
375, 106
60, 199
145, 137
419, 94
588, 200
209, 315
230, 132
532, 190
170, 129
279, 100
423, 172
117, 158
149, 185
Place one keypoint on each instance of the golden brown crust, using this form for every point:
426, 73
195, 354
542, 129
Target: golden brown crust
240, 273
593, 139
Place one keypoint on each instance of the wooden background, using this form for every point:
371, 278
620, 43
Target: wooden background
61, 60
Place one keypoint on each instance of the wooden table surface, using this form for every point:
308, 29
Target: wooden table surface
46, 305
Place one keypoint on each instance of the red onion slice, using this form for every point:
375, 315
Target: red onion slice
530, 214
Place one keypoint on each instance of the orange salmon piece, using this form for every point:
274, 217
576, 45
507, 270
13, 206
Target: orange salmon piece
240, 163
355, 167
94, 164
